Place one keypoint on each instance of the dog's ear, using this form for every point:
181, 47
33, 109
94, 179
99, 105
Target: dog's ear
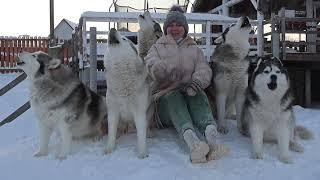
218, 40
54, 64
277, 60
157, 27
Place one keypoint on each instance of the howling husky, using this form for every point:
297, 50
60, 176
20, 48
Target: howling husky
61, 102
229, 66
149, 32
128, 94
268, 114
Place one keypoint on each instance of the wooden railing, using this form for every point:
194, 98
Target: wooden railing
282, 30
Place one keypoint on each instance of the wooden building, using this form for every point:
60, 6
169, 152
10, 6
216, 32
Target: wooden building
294, 37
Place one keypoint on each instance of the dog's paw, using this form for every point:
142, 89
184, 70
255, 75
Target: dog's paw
285, 159
109, 150
223, 130
97, 138
150, 133
143, 155
296, 147
61, 157
256, 155
40, 154
217, 152
243, 130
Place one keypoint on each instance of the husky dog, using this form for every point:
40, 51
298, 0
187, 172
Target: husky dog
229, 66
61, 102
149, 32
267, 111
128, 94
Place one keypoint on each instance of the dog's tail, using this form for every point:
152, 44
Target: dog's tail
303, 132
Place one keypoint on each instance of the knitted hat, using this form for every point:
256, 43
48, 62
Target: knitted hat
176, 14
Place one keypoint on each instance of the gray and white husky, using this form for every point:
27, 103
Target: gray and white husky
149, 32
61, 102
268, 114
128, 94
229, 66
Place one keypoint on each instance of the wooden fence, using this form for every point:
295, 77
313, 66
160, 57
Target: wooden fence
11, 46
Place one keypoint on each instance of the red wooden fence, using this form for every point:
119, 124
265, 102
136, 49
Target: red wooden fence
11, 46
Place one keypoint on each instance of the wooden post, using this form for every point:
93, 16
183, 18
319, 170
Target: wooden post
311, 26
260, 39
208, 40
93, 59
75, 50
52, 39
307, 87
225, 12
283, 33
275, 36
83, 62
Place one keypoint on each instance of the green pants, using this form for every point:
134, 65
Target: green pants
185, 112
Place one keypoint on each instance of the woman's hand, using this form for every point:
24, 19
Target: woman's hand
192, 88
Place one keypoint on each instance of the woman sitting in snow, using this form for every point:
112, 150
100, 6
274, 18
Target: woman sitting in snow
176, 59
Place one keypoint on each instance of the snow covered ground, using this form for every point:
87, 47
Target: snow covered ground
168, 159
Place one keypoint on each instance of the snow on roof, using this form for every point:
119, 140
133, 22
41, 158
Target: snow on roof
72, 24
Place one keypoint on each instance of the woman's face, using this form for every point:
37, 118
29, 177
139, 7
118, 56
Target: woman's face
175, 30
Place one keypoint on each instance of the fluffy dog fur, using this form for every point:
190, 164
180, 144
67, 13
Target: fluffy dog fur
229, 67
61, 102
128, 94
268, 113
149, 32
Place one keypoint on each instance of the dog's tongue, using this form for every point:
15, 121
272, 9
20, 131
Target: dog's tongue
272, 86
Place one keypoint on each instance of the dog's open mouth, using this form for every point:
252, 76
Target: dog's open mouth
272, 86
112, 37
19, 62
141, 16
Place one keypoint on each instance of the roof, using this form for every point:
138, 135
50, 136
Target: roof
70, 23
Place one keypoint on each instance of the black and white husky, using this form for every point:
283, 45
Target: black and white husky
61, 102
128, 94
229, 66
268, 114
